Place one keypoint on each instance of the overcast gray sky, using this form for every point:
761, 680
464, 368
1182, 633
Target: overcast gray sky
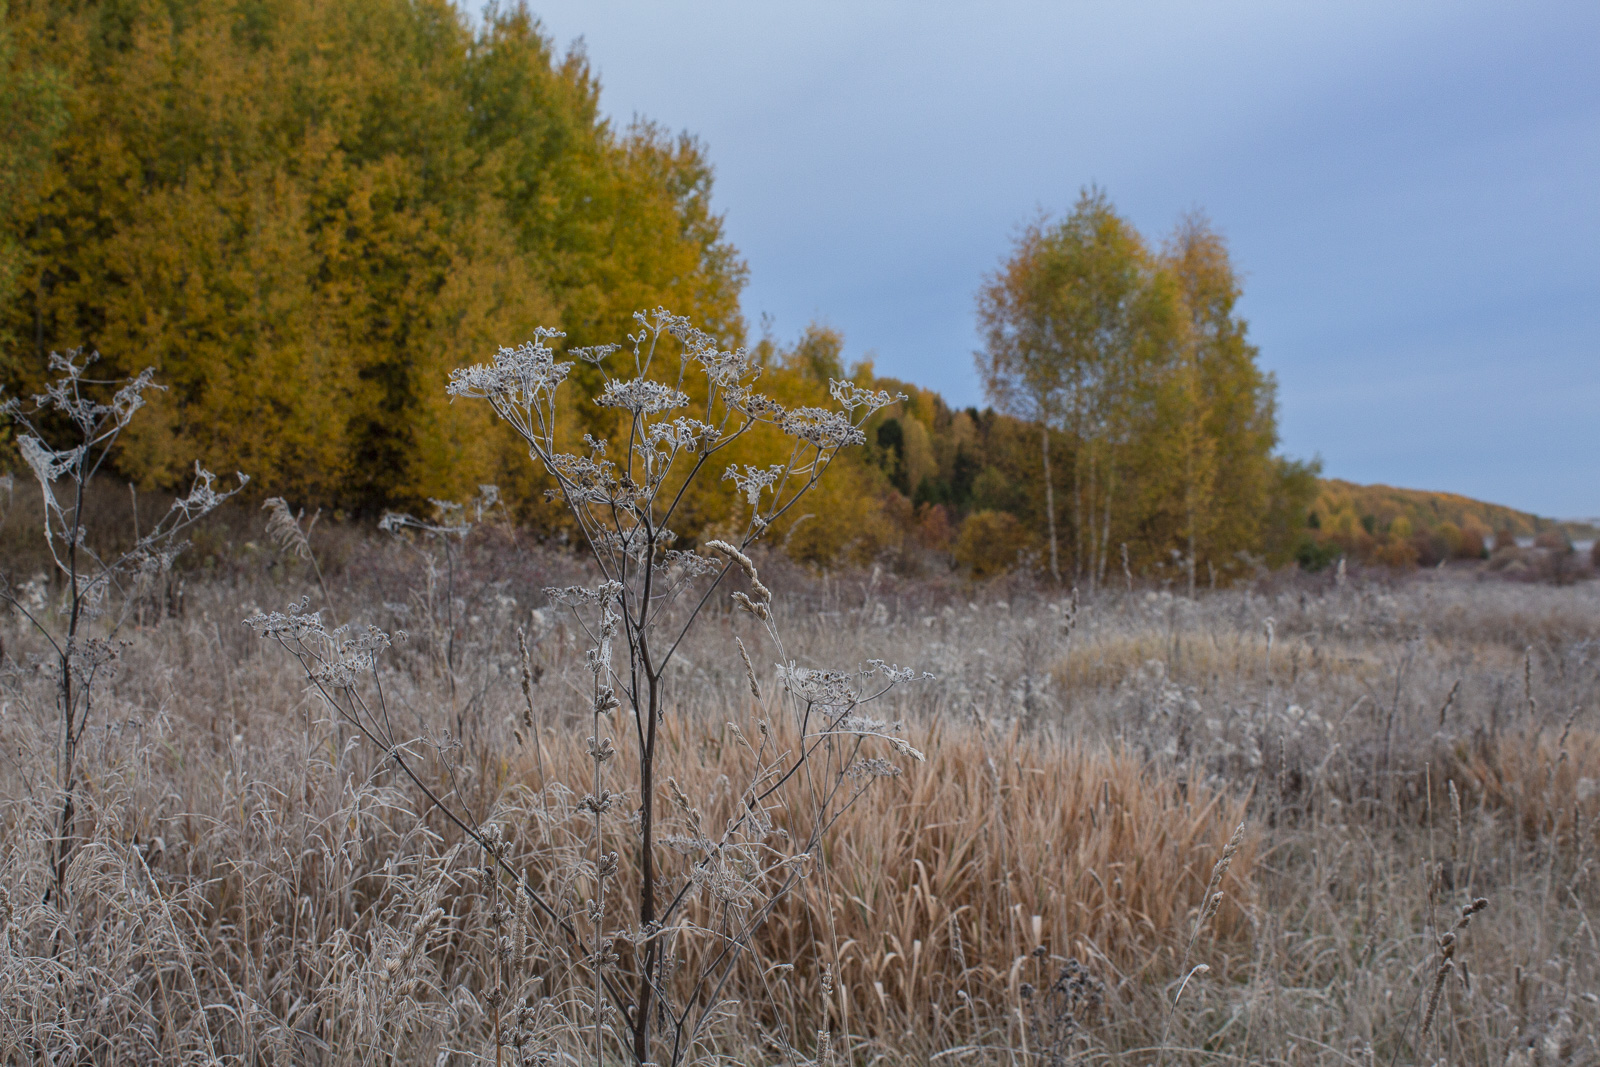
1412, 191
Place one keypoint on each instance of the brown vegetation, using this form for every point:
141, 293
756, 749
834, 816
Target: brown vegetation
1394, 753
507, 813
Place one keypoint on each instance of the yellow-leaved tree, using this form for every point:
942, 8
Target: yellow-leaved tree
1139, 360
304, 214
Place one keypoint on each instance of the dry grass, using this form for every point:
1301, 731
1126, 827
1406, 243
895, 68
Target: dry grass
938, 887
253, 887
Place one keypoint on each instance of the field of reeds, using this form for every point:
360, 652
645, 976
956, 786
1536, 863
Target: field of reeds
253, 882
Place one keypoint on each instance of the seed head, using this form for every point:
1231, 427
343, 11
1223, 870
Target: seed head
749, 670
763, 594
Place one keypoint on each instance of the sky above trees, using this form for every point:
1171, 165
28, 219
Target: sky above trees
1409, 190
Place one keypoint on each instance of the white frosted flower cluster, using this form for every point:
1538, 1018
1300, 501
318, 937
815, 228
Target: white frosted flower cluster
334, 659
896, 675
689, 434
753, 480
723, 367
586, 480
519, 375
758, 406
825, 430
574, 596
833, 689
203, 496
851, 396
688, 564
49, 465
293, 624
641, 396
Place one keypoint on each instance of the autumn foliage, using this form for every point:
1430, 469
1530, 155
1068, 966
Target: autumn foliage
1413, 527
305, 214
1136, 358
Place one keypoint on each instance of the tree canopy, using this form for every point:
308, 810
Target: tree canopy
305, 214
1137, 358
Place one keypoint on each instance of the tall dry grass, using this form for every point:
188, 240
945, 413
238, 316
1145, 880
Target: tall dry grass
254, 886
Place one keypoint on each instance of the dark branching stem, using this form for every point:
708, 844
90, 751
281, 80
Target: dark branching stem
69, 742
619, 509
90, 579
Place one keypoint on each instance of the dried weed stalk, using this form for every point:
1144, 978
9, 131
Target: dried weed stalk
660, 947
66, 435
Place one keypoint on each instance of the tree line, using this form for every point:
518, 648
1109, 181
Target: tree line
304, 214
1413, 527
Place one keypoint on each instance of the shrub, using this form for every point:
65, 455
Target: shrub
989, 543
1399, 549
1430, 548
933, 527
1553, 541
1451, 537
1314, 555
993, 491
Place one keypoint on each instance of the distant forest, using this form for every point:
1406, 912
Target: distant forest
1407, 527
304, 214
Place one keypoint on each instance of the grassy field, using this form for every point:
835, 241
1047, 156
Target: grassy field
252, 882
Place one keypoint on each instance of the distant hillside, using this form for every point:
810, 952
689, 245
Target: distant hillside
1380, 505
1381, 521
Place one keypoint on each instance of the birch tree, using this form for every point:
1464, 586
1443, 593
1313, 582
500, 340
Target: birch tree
1023, 364
1230, 472
1080, 327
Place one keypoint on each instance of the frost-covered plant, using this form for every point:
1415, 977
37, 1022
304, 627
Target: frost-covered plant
664, 906
290, 531
443, 607
66, 435
625, 499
